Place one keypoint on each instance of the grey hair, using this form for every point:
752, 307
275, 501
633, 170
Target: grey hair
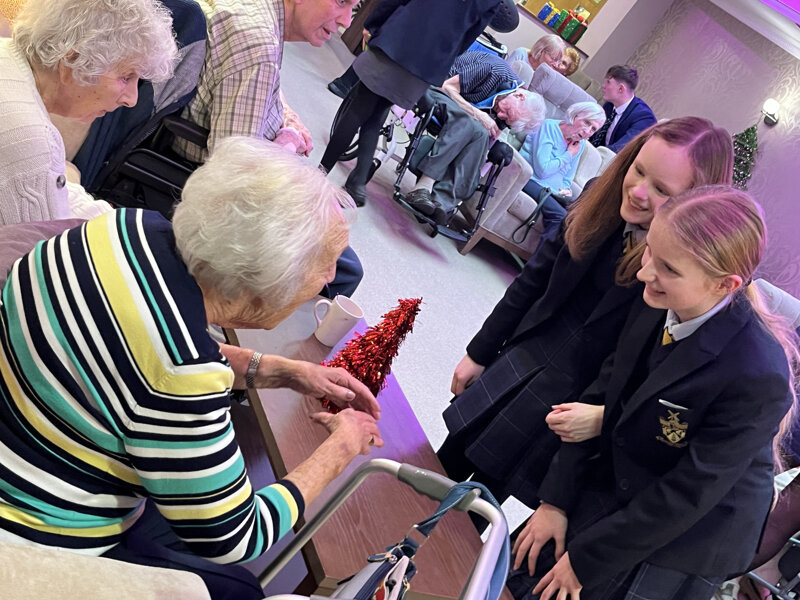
255, 218
591, 111
531, 113
551, 44
92, 37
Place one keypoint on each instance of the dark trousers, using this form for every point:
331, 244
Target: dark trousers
552, 212
349, 274
152, 543
363, 112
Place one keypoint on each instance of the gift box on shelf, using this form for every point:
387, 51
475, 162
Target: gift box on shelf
562, 16
551, 22
569, 19
546, 11
575, 34
569, 27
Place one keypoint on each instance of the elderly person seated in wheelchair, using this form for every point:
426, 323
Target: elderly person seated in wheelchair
554, 151
77, 59
115, 432
480, 98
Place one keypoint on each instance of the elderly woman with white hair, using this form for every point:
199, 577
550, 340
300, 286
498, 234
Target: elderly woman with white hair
547, 49
77, 59
554, 151
115, 433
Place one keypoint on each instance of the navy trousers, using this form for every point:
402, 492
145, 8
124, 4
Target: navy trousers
349, 274
152, 543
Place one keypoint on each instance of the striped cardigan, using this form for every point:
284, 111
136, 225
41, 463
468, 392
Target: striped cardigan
111, 390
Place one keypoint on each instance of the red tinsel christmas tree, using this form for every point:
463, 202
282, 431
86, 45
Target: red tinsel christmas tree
368, 356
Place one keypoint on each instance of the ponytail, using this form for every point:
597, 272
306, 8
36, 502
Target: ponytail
784, 332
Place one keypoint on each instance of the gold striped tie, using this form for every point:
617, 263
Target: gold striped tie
666, 338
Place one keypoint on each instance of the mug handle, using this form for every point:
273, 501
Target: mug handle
319, 303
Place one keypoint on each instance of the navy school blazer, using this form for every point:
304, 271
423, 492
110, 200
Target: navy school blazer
636, 118
548, 280
689, 449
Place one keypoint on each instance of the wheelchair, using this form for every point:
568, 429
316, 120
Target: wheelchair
420, 126
126, 157
429, 124
788, 586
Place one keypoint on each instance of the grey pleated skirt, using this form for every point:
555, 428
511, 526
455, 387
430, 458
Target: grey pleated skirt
388, 79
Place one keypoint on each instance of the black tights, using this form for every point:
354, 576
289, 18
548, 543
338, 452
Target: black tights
365, 111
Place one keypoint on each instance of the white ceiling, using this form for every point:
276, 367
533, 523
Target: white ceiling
777, 20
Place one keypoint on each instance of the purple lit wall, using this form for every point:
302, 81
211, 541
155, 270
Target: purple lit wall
701, 61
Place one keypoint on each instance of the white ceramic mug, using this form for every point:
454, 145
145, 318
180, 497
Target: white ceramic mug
340, 317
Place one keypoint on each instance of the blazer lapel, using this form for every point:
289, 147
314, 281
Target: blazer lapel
696, 351
568, 273
613, 298
620, 126
636, 335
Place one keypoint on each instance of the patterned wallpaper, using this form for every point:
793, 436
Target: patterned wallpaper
701, 61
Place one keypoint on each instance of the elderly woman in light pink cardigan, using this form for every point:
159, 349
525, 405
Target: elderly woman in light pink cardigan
77, 59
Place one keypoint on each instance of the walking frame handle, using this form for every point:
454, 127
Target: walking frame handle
430, 484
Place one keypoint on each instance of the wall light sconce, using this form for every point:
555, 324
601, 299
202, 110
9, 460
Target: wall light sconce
770, 111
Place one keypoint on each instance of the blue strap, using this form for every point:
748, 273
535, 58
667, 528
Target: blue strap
453, 497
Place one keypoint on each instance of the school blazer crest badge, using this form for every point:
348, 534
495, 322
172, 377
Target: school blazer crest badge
673, 430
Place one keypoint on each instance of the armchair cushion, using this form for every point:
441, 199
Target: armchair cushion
19, 239
35, 572
558, 92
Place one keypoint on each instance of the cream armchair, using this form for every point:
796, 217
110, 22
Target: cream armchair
511, 207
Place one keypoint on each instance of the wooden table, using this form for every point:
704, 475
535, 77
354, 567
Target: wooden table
382, 509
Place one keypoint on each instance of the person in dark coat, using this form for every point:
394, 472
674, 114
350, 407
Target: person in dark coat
626, 115
673, 495
412, 45
545, 341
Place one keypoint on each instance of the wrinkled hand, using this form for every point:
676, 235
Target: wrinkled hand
574, 147
575, 421
356, 431
291, 120
337, 385
290, 139
547, 523
488, 124
562, 579
467, 371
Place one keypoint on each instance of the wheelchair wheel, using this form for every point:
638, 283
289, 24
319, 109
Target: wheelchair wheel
352, 149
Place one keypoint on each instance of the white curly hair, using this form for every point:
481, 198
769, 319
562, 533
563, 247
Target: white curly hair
255, 218
93, 37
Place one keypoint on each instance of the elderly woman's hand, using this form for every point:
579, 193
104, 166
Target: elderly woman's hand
575, 421
335, 384
357, 431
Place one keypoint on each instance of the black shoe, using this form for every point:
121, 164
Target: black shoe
337, 89
421, 200
441, 216
357, 192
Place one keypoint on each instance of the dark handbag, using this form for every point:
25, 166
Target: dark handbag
525, 227
387, 574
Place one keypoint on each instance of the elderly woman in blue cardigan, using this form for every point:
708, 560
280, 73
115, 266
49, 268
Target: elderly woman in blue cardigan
554, 150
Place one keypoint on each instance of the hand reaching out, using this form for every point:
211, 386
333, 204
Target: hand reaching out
335, 384
356, 431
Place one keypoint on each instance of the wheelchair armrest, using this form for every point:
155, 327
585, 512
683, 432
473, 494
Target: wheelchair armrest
186, 130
